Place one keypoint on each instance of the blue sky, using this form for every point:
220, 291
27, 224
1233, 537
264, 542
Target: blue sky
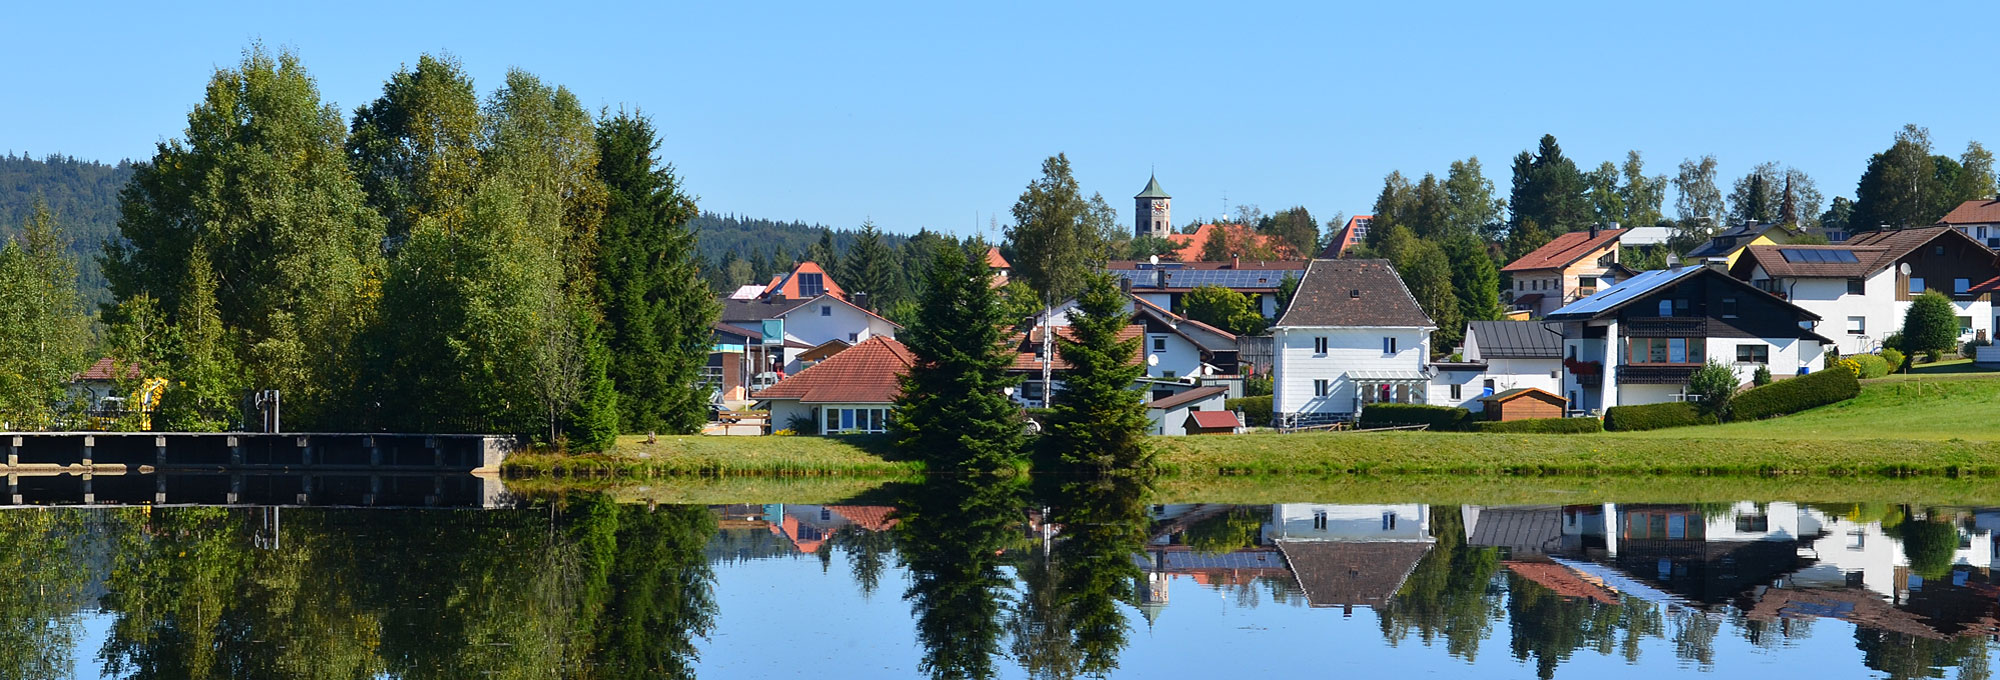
937, 114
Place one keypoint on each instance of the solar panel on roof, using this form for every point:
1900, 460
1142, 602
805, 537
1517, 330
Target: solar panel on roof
1626, 291
1818, 256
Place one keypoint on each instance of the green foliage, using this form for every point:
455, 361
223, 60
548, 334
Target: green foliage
950, 537
592, 421
657, 312
1294, 227
286, 224
1439, 418
1287, 287
1257, 386
1225, 532
871, 267
43, 328
1869, 366
1716, 383
1894, 358
952, 412
1654, 416
205, 379
1474, 279
1793, 395
1762, 376
1548, 191
1928, 544
1054, 246
1906, 186
1223, 308
83, 195
1971, 347
1427, 272
1099, 421
1256, 410
1541, 425
1931, 323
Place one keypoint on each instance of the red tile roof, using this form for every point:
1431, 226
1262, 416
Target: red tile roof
1345, 238
1242, 265
788, 282
867, 373
1026, 344
1211, 420
1982, 211
1564, 250
1187, 247
106, 370
870, 517
995, 260
1562, 581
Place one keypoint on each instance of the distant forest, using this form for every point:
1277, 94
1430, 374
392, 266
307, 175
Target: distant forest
82, 194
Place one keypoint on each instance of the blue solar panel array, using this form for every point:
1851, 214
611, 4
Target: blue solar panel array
1818, 256
1227, 278
1626, 291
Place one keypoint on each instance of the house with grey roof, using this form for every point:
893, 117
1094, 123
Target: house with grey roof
1499, 356
1352, 336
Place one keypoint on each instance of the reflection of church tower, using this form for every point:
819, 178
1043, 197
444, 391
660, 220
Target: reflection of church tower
1153, 588
1152, 213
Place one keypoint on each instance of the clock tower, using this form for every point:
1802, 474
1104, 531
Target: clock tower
1152, 211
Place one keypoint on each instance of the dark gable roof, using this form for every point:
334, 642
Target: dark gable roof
1607, 302
1901, 242
1772, 259
1336, 574
748, 312
1327, 297
1973, 212
1515, 340
1193, 395
1728, 239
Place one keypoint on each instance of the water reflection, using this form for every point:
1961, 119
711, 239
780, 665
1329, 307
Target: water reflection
995, 577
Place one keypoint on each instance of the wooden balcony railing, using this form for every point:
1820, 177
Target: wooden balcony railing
1655, 375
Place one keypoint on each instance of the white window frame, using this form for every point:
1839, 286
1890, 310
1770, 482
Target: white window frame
1322, 387
1916, 285
1389, 344
1857, 325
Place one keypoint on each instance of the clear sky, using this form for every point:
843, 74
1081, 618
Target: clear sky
937, 114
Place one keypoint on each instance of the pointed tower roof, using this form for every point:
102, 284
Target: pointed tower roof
1153, 189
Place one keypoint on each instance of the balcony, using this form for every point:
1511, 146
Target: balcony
1665, 326
1656, 374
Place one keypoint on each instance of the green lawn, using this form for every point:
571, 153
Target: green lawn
700, 455
1928, 406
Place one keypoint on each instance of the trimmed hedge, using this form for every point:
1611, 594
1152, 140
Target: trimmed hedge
1256, 410
1439, 418
1793, 395
1542, 425
1656, 416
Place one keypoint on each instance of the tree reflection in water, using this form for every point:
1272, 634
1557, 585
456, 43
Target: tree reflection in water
950, 533
1069, 621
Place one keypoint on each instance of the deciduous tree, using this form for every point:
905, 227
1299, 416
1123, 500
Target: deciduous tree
43, 329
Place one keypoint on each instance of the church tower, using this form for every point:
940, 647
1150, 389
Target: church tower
1152, 213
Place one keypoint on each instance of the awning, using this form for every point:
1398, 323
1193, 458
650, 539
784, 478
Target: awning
1388, 376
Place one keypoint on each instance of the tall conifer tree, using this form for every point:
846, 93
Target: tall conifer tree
1100, 422
953, 412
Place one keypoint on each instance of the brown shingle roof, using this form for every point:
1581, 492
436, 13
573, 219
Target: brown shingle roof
1353, 293
1337, 574
1772, 259
1193, 395
866, 373
106, 369
1563, 250
1973, 212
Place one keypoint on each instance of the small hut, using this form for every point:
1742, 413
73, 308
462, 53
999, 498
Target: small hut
1522, 403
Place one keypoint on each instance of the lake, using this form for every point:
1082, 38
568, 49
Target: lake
964, 578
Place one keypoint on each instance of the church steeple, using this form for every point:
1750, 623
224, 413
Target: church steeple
1152, 210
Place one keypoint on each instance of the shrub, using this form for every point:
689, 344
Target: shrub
1762, 376
1256, 410
1932, 356
1895, 341
1716, 383
1654, 417
802, 424
1257, 386
1930, 325
1796, 394
1894, 358
1542, 425
1971, 348
1437, 417
1830, 358
1867, 365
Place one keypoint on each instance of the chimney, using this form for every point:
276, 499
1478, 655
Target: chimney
1125, 284
1720, 264
861, 299
1235, 261
1593, 230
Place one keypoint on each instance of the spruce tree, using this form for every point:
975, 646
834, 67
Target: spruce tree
657, 313
953, 412
1473, 277
1100, 422
592, 421
870, 267
206, 380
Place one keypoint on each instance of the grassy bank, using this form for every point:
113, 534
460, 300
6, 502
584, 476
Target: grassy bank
1939, 426
722, 456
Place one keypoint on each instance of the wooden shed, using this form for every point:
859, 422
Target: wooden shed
1212, 422
1522, 403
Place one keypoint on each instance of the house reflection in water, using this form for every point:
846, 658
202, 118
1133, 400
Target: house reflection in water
1323, 555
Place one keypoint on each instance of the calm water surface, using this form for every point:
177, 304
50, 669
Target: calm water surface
960, 579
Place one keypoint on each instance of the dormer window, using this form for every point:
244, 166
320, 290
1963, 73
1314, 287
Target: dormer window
1354, 293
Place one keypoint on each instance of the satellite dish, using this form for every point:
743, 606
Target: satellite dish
1152, 360
1155, 260
1009, 391
1207, 369
1904, 268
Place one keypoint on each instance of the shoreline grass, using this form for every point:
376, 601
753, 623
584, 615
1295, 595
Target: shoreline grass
705, 456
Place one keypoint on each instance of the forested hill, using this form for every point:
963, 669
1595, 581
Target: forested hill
84, 197
750, 237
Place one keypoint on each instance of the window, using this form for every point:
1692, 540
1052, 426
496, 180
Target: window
1857, 286
1666, 308
1964, 325
1455, 395
1322, 387
1729, 308
1938, 250
1667, 350
1857, 325
1159, 343
826, 310
1753, 354
1388, 521
1960, 286
1319, 520
1167, 374
1916, 285
1388, 345
1319, 345
853, 337
1487, 387
812, 285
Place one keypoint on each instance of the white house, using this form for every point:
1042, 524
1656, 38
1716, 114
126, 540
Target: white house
1175, 346
853, 391
1499, 356
805, 324
1640, 340
1862, 288
1352, 336
1979, 219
